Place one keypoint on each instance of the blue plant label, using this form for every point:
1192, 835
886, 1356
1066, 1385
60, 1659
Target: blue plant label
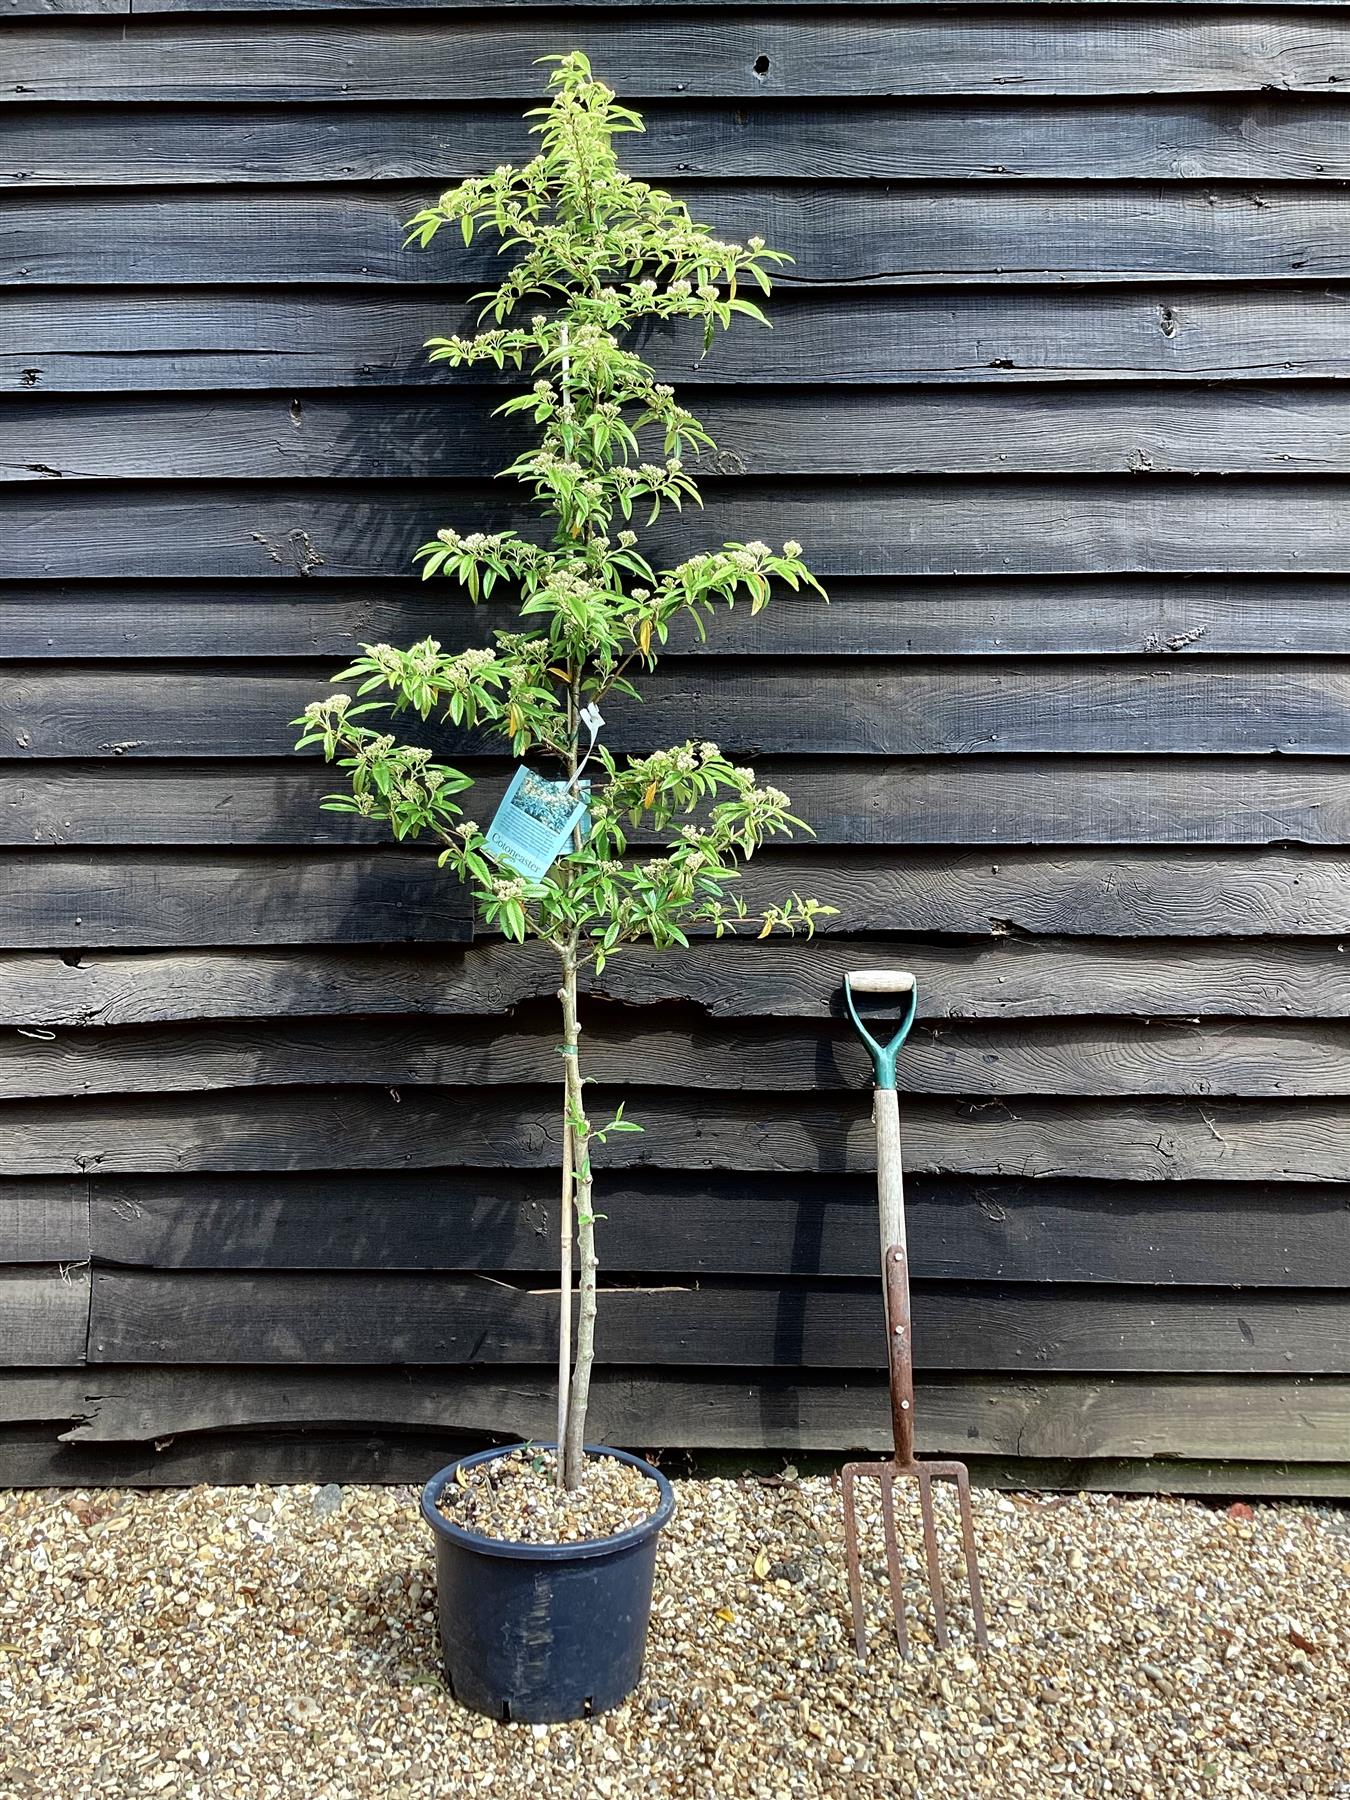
533, 825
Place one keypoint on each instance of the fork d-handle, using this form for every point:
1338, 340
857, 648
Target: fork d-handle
885, 1105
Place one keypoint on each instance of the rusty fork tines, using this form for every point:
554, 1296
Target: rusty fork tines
903, 1467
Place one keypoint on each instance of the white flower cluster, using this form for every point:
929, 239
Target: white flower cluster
460, 670
327, 712
375, 749
547, 460
424, 656
567, 579
473, 541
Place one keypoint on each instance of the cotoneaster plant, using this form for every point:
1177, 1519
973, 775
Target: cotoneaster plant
599, 255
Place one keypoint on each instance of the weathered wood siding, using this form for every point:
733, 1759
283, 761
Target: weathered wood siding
1056, 399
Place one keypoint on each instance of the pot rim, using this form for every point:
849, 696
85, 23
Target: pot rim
513, 1548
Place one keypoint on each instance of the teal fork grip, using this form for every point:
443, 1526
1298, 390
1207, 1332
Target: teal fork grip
883, 1055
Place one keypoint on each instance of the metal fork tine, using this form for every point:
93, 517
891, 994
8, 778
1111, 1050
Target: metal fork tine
887, 1474
930, 1545
972, 1566
893, 1561
852, 1557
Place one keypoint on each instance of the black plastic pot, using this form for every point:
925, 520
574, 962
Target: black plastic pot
543, 1632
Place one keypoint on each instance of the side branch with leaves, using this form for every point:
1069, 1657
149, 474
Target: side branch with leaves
599, 255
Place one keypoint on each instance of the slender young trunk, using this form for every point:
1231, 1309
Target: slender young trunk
574, 1440
565, 1269
574, 1397
567, 996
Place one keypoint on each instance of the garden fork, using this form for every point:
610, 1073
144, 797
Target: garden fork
900, 1356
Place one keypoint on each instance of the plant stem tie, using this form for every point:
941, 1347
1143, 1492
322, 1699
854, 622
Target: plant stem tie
590, 718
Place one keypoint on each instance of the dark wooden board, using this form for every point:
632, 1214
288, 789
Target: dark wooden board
711, 54
190, 8
791, 709
144, 339
1080, 526
43, 1315
1218, 1480
1258, 1235
1245, 429
1182, 1417
32, 1459
371, 1318
1275, 138
204, 8
67, 900
248, 621
70, 900
1259, 1059
262, 1130
1134, 894
215, 620
44, 1221
23, 9
1045, 800
872, 235
1011, 978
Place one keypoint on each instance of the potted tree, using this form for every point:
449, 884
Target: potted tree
546, 1552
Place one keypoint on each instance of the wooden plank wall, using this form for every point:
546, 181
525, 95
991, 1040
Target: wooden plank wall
1057, 401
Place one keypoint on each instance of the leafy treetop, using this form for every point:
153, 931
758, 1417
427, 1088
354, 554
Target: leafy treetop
603, 253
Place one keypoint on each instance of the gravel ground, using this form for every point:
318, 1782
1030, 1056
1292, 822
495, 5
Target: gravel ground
249, 1642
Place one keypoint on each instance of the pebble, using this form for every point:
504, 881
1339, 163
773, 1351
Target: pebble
250, 1644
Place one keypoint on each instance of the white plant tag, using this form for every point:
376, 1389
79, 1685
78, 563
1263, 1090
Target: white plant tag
533, 825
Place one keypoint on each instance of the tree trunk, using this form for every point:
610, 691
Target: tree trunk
565, 1269
574, 1439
